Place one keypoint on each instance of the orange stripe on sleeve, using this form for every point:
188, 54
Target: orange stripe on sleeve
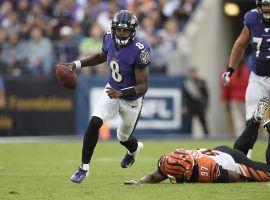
244, 171
265, 176
255, 174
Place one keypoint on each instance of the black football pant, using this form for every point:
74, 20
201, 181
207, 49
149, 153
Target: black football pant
254, 171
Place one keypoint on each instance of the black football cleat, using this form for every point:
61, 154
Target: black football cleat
128, 159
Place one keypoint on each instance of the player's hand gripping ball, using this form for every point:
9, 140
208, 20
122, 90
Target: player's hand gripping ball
66, 76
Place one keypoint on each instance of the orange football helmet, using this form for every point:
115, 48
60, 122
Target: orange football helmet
177, 165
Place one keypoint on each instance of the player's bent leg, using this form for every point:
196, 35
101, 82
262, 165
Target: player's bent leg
89, 144
130, 158
90, 138
248, 138
134, 147
252, 170
130, 112
255, 108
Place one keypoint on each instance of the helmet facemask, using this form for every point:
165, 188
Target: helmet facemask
123, 40
265, 12
124, 21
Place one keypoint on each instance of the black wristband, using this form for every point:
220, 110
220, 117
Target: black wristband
129, 92
230, 69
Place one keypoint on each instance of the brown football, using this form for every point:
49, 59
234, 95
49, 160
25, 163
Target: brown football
65, 76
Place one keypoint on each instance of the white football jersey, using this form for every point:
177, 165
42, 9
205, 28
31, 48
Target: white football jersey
223, 159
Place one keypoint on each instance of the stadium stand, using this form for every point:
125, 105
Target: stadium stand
53, 31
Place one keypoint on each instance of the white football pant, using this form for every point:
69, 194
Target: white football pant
258, 87
128, 110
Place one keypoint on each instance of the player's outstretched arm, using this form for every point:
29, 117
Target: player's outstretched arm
93, 60
237, 53
155, 177
239, 47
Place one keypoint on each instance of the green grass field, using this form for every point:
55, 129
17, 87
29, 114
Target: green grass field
42, 171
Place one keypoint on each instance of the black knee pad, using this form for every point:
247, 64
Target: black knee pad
95, 122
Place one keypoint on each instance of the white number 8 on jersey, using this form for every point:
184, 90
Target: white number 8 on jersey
115, 71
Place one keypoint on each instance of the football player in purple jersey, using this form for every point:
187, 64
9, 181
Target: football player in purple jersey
256, 32
128, 58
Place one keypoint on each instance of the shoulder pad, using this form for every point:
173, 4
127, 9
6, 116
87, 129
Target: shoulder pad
251, 18
255, 10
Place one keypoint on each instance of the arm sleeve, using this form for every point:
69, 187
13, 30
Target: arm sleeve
104, 43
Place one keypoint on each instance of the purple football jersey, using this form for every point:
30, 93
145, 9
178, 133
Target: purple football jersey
122, 62
260, 40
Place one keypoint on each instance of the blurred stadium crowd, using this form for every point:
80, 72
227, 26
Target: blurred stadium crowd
37, 34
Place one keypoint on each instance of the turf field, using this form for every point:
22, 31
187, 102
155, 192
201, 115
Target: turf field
42, 171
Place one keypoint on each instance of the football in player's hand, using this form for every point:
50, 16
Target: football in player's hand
66, 76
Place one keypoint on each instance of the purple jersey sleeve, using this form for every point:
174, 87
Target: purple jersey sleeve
105, 43
250, 18
142, 58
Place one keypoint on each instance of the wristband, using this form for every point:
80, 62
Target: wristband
129, 92
78, 64
230, 69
